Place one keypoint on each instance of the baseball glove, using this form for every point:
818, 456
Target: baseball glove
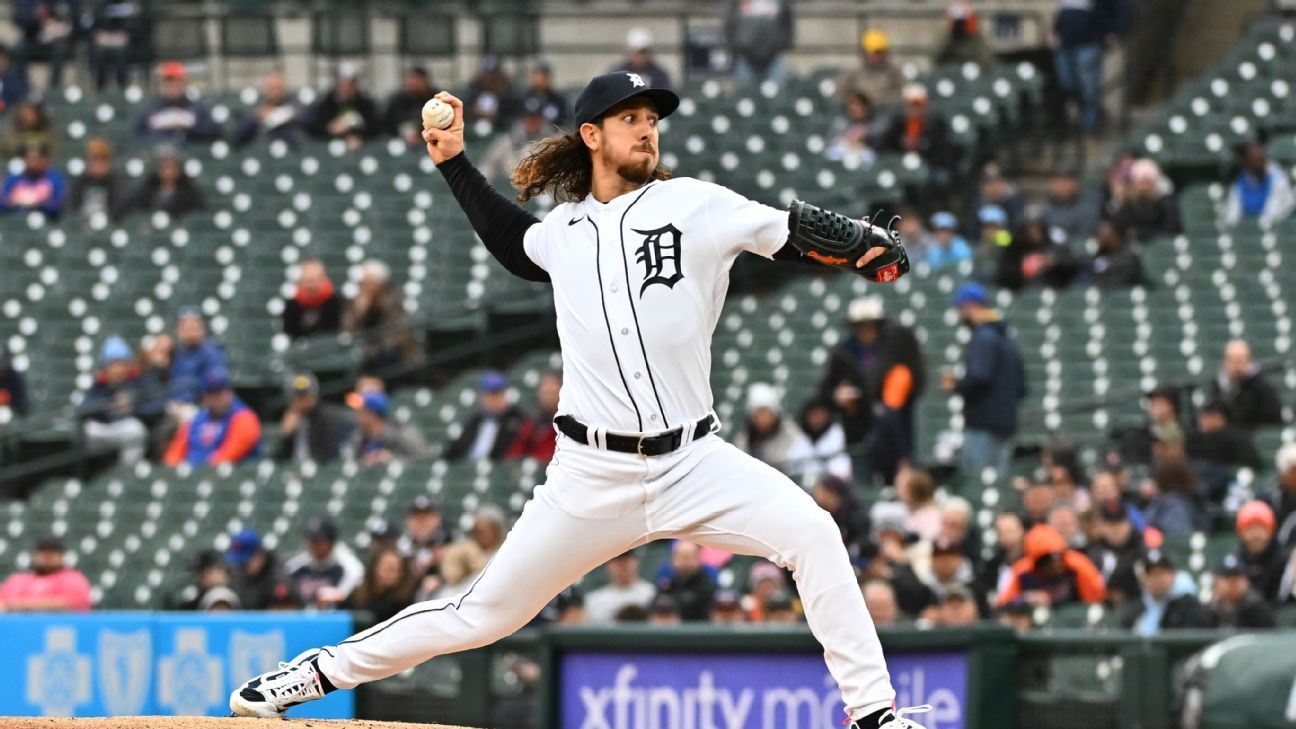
836, 240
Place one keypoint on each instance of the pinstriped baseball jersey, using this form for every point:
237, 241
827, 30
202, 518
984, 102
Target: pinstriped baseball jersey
638, 287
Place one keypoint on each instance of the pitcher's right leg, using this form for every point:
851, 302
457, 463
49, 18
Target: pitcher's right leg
546, 551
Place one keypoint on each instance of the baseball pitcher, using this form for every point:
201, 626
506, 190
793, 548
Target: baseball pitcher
639, 263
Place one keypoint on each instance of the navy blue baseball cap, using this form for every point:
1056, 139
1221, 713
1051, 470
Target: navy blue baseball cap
606, 91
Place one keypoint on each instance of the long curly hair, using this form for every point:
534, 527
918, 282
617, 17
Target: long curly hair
560, 166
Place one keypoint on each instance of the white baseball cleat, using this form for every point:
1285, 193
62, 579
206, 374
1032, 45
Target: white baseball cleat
272, 693
898, 719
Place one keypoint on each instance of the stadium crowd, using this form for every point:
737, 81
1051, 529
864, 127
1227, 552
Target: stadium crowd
1092, 536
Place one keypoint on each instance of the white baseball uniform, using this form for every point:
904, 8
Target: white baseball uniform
638, 287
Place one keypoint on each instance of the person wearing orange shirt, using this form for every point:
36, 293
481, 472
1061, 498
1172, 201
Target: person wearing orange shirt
1051, 574
224, 430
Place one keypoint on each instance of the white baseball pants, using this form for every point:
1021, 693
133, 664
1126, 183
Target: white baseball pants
597, 504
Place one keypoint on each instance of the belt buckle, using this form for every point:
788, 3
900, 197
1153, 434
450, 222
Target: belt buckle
639, 444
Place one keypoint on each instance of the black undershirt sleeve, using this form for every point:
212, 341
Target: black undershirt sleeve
500, 223
789, 252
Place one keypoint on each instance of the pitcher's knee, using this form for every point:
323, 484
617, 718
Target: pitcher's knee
810, 532
492, 622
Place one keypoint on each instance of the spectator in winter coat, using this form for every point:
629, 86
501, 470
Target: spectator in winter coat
826, 443
377, 439
311, 430
1261, 555
1217, 443
194, 358
1148, 210
276, 117
877, 78
326, 572
992, 387
1168, 601
1116, 264
345, 112
112, 407
1117, 551
1071, 209
167, 189
692, 587
1034, 259
255, 573
918, 129
767, 435
1243, 388
1262, 191
1234, 603
99, 190
1052, 575
174, 117
555, 107
492, 429
316, 306
874, 377
377, 318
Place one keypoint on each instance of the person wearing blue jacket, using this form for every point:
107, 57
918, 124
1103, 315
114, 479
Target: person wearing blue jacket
949, 248
195, 356
992, 387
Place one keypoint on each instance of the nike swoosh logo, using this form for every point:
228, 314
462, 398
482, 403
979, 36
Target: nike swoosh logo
575, 220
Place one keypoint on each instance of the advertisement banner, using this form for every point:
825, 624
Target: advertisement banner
741, 691
125, 664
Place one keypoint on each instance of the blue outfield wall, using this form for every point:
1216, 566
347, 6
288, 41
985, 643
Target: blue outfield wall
132, 663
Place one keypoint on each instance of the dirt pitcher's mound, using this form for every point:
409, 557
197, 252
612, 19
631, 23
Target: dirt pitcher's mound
202, 722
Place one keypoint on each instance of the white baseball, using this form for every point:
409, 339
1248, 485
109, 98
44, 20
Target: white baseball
437, 114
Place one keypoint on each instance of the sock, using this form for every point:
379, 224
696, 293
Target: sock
876, 719
325, 684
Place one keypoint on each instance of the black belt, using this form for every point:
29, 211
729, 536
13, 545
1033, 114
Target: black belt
658, 444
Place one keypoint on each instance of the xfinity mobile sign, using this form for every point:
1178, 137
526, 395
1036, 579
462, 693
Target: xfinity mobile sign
741, 691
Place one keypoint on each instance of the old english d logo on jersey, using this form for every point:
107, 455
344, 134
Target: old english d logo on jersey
661, 258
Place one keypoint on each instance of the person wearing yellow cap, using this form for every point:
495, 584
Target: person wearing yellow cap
877, 77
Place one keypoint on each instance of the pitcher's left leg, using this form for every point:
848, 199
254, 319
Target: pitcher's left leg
731, 501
